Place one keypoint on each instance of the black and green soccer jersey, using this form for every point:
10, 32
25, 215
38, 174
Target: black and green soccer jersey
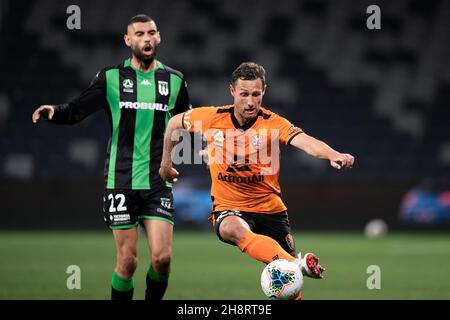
139, 106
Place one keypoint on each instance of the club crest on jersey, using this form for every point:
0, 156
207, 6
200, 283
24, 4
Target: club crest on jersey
128, 85
257, 140
293, 129
163, 88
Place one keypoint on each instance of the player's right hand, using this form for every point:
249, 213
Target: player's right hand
47, 110
169, 174
342, 161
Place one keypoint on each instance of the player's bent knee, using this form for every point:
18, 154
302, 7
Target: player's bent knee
226, 233
126, 265
162, 260
129, 262
232, 230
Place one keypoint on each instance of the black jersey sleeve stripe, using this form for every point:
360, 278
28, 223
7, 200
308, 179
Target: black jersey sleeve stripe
182, 103
290, 139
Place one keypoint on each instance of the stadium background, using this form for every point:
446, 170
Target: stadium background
382, 95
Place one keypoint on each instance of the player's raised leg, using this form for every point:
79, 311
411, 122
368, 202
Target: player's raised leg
159, 237
262, 248
122, 286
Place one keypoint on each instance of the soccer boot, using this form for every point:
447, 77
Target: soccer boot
309, 265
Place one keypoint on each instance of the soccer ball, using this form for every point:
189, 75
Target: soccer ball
281, 279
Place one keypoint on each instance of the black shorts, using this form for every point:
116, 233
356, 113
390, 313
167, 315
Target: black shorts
275, 226
124, 209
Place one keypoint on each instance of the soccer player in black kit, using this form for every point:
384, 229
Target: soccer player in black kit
139, 95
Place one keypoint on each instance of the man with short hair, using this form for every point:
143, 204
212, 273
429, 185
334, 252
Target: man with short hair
139, 95
243, 158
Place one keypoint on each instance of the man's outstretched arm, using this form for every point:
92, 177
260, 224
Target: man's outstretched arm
89, 101
321, 150
166, 171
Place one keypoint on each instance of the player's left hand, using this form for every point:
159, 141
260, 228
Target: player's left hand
342, 161
169, 174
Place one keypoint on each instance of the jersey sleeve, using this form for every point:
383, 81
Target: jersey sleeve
92, 99
287, 130
182, 104
198, 120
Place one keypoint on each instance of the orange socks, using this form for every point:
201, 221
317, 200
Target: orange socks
262, 248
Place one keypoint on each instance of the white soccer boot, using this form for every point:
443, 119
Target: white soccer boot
309, 265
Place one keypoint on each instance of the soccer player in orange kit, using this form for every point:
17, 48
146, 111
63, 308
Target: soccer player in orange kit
243, 155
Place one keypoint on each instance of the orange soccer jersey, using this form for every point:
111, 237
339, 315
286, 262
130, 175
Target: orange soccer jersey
244, 161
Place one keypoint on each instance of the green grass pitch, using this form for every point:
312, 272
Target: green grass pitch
413, 266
